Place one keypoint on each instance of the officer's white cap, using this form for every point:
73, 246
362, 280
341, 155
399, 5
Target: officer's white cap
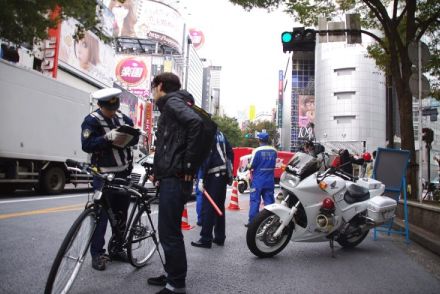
106, 94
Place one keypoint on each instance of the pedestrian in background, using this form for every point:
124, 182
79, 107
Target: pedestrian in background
262, 166
215, 174
179, 133
98, 137
199, 198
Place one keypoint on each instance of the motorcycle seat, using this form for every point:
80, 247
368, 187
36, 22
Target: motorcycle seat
356, 193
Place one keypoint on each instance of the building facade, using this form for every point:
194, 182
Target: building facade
350, 96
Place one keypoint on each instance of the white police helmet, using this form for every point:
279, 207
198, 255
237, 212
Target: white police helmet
108, 98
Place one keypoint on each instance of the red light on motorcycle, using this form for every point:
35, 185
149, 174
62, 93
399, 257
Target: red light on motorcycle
323, 185
283, 167
328, 204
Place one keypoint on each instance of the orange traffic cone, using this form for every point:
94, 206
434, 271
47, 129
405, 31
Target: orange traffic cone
185, 224
233, 204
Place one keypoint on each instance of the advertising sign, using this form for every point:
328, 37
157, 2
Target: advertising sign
148, 122
89, 55
133, 73
251, 112
145, 19
280, 98
134, 106
306, 110
49, 65
197, 38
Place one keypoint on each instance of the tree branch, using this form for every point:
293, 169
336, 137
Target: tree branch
424, 25
396, 2
399, 19
379, 16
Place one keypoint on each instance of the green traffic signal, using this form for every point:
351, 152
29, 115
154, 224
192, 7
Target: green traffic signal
286, 37
299, 39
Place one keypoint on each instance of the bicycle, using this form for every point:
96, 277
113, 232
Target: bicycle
139, 230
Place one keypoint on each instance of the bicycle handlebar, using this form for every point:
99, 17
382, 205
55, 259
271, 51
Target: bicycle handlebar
87, 168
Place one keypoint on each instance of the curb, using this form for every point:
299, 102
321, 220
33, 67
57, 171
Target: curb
426, 239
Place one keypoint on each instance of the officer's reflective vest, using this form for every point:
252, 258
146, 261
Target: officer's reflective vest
263, 166
113, 160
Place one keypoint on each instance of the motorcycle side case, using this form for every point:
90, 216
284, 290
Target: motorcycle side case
381, 209
375, 187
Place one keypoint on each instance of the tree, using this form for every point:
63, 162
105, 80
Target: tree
270, 128
22, 21
401, 22
229, 127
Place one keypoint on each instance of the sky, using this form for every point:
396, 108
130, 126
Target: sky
248, 47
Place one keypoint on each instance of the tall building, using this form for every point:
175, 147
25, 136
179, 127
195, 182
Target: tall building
211, 89
350, 96
337, 96
194, 74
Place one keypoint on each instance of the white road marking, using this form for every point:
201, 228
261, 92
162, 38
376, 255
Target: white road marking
45, 198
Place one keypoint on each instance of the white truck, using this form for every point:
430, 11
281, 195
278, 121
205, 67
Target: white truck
40, 121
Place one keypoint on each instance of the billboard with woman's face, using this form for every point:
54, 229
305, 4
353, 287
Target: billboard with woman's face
145, 19
90, 55
306, 110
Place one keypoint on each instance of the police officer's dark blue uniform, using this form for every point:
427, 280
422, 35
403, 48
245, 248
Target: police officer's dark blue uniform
214, 178
263, 166
97, 138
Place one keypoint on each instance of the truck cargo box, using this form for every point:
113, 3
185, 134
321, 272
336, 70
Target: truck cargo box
40, 117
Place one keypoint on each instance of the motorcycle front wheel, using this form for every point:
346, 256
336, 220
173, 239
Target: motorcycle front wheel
259, 236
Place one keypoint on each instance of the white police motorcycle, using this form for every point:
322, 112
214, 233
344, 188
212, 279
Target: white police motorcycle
317, 206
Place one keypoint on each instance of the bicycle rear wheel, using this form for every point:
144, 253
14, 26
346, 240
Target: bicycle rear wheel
72, 253
142, 240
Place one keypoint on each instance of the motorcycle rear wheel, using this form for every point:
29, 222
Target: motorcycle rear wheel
259, 236
351, 241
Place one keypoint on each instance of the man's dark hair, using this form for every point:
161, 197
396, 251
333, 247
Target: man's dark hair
170, 82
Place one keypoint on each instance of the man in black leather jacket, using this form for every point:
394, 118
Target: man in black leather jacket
178, 143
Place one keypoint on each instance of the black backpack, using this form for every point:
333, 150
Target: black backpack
208, 133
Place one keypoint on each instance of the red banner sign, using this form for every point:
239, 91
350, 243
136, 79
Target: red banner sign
49, 65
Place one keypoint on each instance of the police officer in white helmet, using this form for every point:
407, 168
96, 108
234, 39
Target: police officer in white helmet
110, 152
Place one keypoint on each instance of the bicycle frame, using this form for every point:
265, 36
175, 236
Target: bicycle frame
104, 203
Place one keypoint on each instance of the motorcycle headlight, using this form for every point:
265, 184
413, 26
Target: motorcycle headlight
289, 179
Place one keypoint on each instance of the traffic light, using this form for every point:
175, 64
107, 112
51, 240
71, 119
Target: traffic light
299, 39
428, 136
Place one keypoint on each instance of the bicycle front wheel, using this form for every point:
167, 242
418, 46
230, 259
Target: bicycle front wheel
142, 240
71, 254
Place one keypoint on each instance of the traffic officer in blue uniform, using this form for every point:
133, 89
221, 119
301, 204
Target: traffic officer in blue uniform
99, 137
214, 175
262, 166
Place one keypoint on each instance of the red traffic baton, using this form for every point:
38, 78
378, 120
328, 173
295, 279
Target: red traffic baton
217, 210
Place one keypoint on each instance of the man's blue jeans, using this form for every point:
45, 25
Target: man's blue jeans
174, 193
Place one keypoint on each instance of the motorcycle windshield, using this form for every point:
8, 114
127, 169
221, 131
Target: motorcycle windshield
303, 164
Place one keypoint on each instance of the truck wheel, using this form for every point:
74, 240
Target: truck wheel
52, 180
